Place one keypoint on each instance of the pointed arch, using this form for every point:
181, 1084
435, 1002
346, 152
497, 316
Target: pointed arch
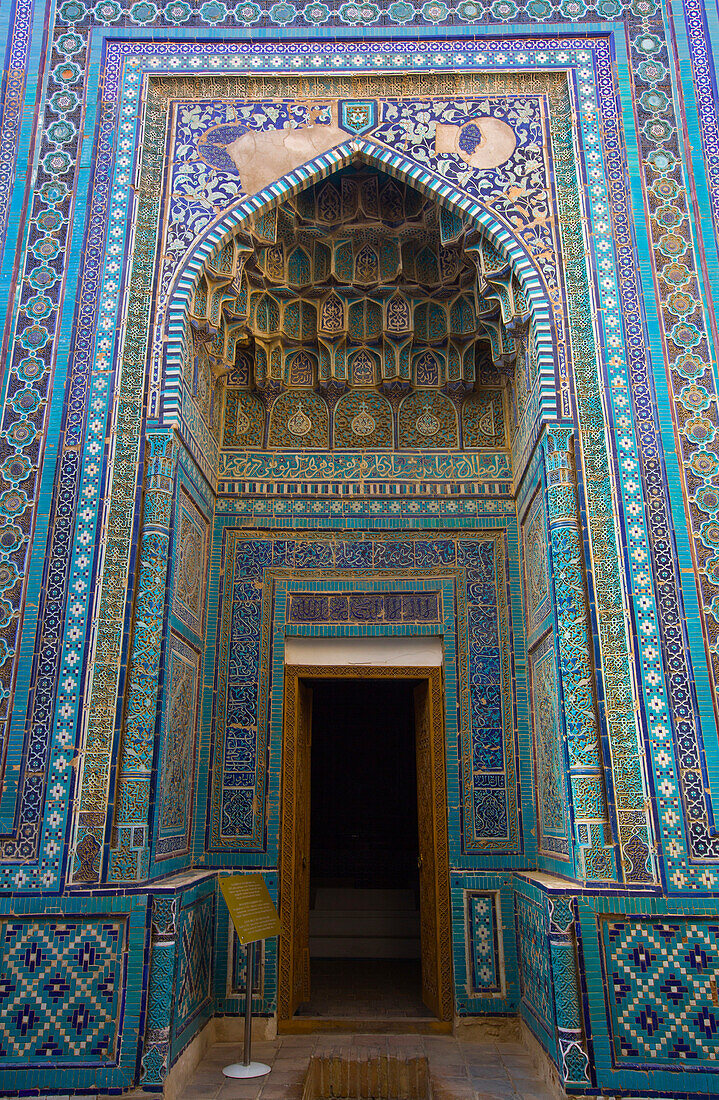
231, 221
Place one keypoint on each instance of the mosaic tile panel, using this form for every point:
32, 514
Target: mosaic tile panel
549, 761
483, 420
61, 988
661, 991
244, 420
482, 919
427, 420
487, 899
129, 857
255, 563
176, 789
534, 966
342, 16
160, 990
536, 567
190, 576
572, 1051
299, 420
594, 832
194, 974
364, 607
363, 420
489, 473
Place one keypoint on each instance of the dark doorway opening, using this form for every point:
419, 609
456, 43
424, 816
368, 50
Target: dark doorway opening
365, 954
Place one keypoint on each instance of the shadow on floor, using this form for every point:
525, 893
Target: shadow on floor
458, 1070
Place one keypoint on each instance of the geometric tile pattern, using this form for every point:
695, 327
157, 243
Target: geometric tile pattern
60, 988
193, 982
481, 923
662, 991
535, 980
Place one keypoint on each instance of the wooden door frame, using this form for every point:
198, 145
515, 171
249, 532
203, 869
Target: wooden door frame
293, 675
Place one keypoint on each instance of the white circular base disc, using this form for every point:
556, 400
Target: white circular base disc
255, 1069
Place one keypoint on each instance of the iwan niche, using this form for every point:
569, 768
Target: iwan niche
359, 314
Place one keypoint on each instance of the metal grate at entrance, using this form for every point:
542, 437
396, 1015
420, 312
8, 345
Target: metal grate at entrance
366, 1075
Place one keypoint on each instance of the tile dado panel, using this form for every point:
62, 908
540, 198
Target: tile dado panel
37, 954
662, 990
71, 992
448, 582
651, 968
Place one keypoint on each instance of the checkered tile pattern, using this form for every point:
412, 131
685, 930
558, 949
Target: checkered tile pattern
662, 990
60, 989
483, 939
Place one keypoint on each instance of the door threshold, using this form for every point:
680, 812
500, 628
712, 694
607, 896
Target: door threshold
389, 1025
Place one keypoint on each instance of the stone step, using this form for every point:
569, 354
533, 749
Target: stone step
365, 947
335, 897
366, 923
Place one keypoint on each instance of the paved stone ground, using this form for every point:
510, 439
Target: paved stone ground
459, 1070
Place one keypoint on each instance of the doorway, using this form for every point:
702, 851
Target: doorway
364, 890
364, 927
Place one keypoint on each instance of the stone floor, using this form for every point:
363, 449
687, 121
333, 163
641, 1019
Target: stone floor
459, 1070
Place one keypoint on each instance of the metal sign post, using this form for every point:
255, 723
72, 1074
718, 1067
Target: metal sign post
254, 917
247, 1068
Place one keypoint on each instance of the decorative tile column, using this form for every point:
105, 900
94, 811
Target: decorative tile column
593, 833
572, 1057
130, 851
156, 1050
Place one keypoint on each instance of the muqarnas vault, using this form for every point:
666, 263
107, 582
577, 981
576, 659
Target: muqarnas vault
350, 324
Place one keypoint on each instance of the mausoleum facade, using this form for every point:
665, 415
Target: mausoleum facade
360, 343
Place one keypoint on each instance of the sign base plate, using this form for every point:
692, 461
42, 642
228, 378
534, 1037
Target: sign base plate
254, 1069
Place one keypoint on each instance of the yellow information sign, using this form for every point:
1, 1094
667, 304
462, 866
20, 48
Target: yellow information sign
251, 907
